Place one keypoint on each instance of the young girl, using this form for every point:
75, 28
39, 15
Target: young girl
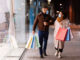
60, 22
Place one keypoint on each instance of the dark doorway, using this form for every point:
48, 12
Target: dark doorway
76, 11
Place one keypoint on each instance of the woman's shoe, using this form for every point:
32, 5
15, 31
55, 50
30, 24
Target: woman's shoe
56, 53
59, 55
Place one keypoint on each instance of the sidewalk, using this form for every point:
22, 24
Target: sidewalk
7, 53
71, 50
4, 49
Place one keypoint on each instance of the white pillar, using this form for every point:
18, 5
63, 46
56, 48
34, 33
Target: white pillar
12, 37
19, 10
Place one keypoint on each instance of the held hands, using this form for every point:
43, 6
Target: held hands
45, 24
50, 21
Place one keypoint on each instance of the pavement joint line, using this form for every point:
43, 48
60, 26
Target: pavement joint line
21, 57
12, 56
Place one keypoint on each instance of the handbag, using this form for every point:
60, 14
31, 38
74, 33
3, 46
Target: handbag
61, 34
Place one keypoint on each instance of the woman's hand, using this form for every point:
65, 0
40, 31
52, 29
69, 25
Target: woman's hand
61, 23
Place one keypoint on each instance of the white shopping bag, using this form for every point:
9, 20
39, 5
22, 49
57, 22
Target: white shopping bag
28, 45
71, 35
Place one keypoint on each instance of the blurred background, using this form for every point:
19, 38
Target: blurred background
17, 18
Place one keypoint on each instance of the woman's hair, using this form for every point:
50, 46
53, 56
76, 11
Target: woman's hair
64, 15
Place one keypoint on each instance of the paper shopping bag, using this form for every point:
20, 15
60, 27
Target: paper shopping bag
28, 45
37, 41
33, 42
68, 34
71, 35
61, 34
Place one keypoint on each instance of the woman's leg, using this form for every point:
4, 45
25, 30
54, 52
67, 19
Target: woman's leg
56, 53
60, 53
61, 47
56, 47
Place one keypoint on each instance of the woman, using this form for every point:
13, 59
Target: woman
61, 21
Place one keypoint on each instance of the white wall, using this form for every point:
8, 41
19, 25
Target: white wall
3, 9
